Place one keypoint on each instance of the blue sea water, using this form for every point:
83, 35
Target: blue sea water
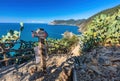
54, 31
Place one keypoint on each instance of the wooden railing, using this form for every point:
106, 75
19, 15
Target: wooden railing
29, 52
22, 53
18, 57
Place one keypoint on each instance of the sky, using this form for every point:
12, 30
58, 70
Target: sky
44, 11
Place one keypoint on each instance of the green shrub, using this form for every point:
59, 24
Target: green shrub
62, 45
104, 29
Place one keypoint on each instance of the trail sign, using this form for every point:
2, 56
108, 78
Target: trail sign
40, 50
40, 33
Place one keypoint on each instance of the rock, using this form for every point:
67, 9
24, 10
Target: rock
108, 52
95, 69
53, 70
115, 60
82, 71
117, 53
112, 68
94, 61
101, 64
84, 66
104, 60
88, 59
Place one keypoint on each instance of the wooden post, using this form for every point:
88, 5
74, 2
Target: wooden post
4, 56
40, 34
3, 48
42, 54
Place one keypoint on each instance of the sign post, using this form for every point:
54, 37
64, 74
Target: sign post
41, 49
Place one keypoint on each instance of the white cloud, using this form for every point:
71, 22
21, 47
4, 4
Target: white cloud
37, 21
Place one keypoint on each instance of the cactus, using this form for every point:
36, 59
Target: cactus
11, 35
103, 29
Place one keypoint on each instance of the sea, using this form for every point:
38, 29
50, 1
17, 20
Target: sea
54, 31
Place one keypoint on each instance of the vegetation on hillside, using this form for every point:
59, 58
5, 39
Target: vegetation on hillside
62, 45
104, 29
85, 25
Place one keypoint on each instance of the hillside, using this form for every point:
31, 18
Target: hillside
110, 11
67, 22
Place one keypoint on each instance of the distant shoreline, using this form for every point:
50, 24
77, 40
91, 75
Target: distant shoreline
70, 22
62, 24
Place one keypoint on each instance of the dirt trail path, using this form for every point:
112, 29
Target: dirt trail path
59, 67
76, 51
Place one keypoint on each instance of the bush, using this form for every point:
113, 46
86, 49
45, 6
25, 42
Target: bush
62, 45
104, 29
